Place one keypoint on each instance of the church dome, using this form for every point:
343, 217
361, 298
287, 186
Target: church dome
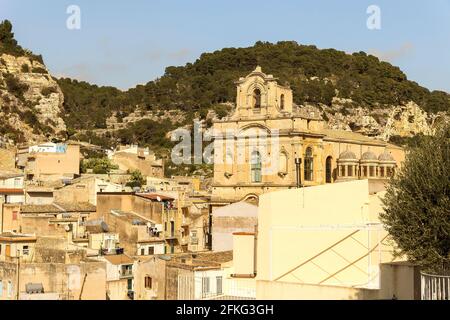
369, 155
347, 155
386, 157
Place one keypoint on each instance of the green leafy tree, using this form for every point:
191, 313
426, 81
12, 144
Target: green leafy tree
417, 202
98, 165
136, 179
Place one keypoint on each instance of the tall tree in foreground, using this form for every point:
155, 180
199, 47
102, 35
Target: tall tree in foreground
417, 203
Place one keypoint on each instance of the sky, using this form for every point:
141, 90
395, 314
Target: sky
125, 43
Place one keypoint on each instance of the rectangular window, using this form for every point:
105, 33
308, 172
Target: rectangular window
205, 287
130, 284
14, 215
26, 250
219, 285
151, 250
142, 251
148, 282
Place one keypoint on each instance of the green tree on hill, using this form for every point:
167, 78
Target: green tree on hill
136, 179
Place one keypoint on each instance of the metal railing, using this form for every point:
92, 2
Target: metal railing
434, 287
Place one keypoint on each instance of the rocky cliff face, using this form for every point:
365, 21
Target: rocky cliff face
30, 101
384, 123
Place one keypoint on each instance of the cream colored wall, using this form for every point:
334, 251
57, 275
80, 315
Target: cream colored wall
97, 240
67, 279
57, 164
155, 268
244, 254
269, 290
7, 221
237, 287
16, 250
117, 289
296, 225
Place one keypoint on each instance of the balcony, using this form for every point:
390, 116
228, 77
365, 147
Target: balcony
168, 235
126, 272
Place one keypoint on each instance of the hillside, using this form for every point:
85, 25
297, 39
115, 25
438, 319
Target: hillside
30, 99
351, 91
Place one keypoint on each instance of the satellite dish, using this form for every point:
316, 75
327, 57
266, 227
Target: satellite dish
68, 228
158, 198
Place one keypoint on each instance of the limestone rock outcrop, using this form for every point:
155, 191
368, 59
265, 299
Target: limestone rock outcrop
30, 100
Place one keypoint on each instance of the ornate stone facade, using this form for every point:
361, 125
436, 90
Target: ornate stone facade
245, 167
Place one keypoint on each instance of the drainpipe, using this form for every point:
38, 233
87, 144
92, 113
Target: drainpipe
18, 275
3, 212
298, 163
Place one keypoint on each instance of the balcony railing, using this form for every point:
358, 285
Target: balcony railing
126, 273
435, 287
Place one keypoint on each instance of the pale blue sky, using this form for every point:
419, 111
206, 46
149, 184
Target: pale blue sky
124, 43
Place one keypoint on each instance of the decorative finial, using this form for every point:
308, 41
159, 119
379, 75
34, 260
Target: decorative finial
258, 69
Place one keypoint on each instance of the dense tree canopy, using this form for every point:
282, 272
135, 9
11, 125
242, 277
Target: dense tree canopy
417, 203
10, 46
315, 76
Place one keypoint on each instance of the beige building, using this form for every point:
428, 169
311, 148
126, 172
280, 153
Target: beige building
49, 161
307, 248
131, 158
183, 276
11, 187
119, 277
197, 223
48, 268
245, 167
57, 219
148, 223
85, 189
17, 246
229, 219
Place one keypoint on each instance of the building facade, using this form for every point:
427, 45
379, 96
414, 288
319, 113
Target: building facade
269, 143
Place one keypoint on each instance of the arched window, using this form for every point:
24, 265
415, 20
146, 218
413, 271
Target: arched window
328, 170
257, 98
309, 166
282, 102
256, 166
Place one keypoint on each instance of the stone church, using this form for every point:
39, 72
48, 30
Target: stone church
305, 152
